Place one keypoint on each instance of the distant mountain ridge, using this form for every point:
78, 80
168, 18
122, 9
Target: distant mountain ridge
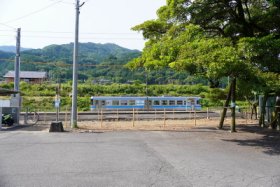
12, 49
90, 55
96, 63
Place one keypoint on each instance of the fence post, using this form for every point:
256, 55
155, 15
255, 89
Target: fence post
207, 113
133, 118
45, 116
194, 117
101, 118
65, 114
164, 124
187, 117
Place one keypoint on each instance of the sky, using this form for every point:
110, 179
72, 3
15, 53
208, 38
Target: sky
45, 22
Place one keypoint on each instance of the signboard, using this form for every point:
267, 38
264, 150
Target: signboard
57, 103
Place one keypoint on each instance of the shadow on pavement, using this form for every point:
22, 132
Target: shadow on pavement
269, 139
26, 128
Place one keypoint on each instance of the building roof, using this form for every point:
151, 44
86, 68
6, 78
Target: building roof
27, 74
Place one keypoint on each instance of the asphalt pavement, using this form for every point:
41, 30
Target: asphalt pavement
199, 157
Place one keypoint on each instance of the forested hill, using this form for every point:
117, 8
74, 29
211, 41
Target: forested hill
57, 60
96, 62
11, 49
88, 52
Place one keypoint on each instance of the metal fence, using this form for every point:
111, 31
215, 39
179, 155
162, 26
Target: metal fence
137, 119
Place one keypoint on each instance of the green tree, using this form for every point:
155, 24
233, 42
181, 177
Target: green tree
213, 45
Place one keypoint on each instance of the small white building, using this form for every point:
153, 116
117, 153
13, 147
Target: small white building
10, 106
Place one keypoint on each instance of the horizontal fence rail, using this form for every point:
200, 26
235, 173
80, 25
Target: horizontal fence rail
118, 119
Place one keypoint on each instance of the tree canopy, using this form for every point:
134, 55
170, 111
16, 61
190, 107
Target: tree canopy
216, 38
238, 38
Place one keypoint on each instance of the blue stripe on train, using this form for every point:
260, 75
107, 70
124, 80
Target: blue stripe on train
183, 107
175, 107
119, 107
125, 107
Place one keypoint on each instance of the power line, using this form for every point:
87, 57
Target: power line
93, 33
6, 35
84, 33
68, 37
64, 2
34, 12
8, 26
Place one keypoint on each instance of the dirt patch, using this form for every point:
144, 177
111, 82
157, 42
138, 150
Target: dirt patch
176, 125
153, 125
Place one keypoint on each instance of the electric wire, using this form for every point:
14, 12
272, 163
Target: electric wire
31, 13
63, 2
69, 37
8, 26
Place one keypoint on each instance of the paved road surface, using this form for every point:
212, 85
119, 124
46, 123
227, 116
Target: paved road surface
199, 157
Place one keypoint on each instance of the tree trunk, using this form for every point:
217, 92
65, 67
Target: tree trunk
263, 111
221, 124
233, 99
275, 120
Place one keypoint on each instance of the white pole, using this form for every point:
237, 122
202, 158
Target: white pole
17, 62
17, 75
75, 68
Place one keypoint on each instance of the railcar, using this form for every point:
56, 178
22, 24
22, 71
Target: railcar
145, 103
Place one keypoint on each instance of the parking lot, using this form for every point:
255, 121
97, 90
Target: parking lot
198, 156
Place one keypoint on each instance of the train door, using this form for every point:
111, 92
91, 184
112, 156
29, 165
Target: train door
100, 104
191, 103
148, 103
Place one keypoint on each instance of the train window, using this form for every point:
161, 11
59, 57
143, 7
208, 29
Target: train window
179, 102
103, 102
191, 101
131, 102
171, 102
185, 102
116, 103
123, 102
164, 102
156, 102
139, 102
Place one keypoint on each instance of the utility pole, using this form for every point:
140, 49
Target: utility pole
17, 62
75, 68
17, 76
